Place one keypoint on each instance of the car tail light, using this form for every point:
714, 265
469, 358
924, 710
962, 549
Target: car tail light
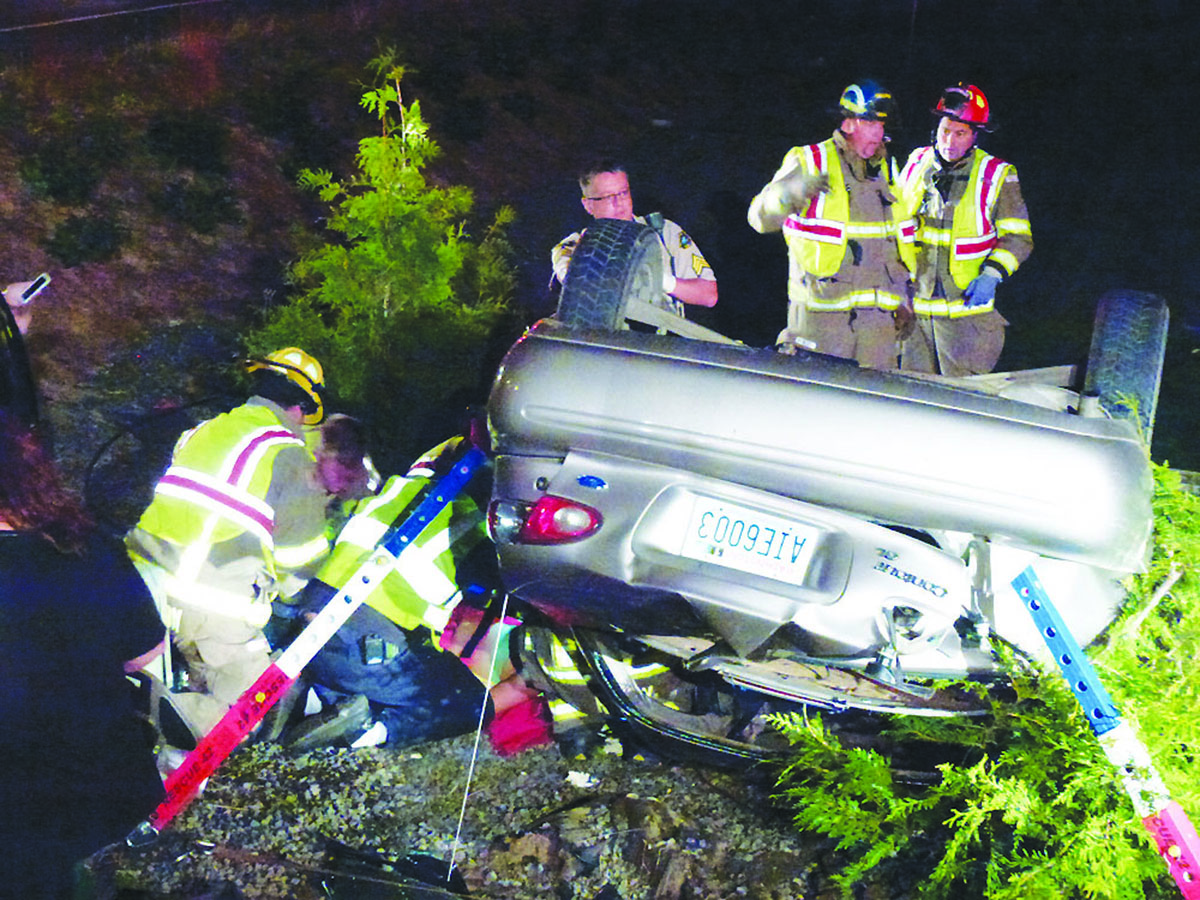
552, 520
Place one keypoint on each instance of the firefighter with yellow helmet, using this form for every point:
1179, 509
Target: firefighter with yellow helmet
972, 234
849, 240
237, 519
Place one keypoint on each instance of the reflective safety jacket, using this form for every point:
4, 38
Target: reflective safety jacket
976, 217
826, 239
237, 518
420, 589
554, 665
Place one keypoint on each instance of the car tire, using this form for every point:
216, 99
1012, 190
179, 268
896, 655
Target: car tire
1129, 343
614, 262
661, 730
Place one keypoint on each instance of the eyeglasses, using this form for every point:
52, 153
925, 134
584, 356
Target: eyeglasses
609, 198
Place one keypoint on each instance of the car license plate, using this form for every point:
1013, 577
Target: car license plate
749, 540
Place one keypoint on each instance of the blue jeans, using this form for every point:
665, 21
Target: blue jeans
418, 692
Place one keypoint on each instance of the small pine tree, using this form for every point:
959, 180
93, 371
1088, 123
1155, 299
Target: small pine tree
1035, 809
401, 307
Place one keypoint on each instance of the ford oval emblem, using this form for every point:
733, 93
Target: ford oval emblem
595, 482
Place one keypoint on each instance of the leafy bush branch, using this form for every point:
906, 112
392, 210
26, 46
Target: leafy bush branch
1032, 808
401, 306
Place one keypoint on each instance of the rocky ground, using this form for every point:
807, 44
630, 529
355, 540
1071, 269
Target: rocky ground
533, 826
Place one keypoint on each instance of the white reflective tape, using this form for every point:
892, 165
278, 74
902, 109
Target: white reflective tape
436, 618
418, 568
869, 229
362, 531
201, 597
1013, 226
884, 300
1140, 779
1005, 259
297, 556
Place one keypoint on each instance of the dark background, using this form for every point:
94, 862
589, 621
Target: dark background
1093, 102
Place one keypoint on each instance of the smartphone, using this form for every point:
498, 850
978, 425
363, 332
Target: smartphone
38, 285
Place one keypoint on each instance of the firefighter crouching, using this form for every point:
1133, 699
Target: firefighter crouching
395, 670
237, 519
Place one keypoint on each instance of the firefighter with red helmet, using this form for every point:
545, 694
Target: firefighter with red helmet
849, 239
972, 234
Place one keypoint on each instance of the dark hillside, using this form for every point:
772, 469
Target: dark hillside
182, 130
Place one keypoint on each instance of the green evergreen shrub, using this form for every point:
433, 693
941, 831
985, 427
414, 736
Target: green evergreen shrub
1039, 812
95, 237
401, 305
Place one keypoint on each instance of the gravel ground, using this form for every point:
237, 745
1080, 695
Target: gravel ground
535, 825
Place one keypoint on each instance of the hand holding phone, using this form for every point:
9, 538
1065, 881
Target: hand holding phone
31, 290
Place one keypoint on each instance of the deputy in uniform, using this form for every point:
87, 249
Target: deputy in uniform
688, 279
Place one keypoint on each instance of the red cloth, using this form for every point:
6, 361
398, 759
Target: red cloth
521, 727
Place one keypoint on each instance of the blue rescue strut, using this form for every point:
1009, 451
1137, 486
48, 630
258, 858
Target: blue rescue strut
1164, 818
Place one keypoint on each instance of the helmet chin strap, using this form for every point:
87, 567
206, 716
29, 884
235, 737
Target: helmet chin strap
946, 163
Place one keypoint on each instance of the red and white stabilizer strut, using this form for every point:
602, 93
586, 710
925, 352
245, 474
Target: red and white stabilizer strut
184, 783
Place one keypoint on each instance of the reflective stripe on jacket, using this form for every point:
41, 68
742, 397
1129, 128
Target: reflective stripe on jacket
982, 229
213, 525
420, 589
819, 235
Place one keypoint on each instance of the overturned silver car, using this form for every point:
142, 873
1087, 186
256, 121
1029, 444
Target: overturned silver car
807, 529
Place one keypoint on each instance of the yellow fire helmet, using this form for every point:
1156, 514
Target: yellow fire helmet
302, 370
